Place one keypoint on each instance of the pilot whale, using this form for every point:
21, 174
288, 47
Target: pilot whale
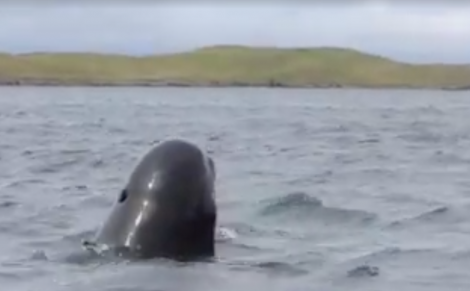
167, 208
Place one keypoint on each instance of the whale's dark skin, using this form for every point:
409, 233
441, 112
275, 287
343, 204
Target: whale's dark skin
167, 209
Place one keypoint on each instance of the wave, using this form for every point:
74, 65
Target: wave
23, 182
269, 267
297, 200
397, 254
364, 271
55, 167
280, 268
8, 201
225, 234
8, 204
442, 215
299, 205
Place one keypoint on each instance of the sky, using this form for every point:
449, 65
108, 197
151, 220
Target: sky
417, 32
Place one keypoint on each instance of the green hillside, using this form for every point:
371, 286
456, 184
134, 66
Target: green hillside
231, 66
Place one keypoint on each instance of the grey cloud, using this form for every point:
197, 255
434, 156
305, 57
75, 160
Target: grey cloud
412, 33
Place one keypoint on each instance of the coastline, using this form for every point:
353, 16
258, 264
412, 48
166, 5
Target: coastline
210, 84
232, 66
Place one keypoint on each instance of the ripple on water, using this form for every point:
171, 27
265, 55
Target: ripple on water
19, 183
453, 218
50, 168
301, 207
391, 258
264, 141
279, 269
8, 204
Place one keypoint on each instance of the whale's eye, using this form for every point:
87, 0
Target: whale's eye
123, 196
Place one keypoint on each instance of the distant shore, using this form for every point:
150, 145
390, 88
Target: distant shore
231, 66
176, 84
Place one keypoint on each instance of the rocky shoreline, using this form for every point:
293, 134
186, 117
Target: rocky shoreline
214, 84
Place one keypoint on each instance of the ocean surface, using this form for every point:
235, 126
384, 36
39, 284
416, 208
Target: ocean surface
317, 189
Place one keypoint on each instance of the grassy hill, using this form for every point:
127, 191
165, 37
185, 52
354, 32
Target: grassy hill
231, 66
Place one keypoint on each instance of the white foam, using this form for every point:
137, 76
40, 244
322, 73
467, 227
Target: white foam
225, 234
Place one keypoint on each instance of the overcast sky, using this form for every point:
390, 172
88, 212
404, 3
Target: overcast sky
417, 33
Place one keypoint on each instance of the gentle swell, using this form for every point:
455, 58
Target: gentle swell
300, 205
440, 216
